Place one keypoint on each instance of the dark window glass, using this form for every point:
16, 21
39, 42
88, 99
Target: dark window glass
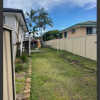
65, 34
3, 19
89, 30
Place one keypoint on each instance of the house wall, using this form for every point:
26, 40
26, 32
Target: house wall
10, 21
20, 35
63, 35
14, 51
77, 33
80, 31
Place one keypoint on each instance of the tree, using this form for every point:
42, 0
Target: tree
53, 34
47, 21
31, 18
43, 19
35, 31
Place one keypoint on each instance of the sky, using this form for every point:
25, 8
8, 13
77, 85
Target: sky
64, 13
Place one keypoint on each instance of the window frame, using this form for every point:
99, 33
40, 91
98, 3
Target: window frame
88, 30
66, 35
4, 22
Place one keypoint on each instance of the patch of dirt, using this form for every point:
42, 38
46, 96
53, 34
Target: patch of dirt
19, 96
18, 61
20, 75
76, 63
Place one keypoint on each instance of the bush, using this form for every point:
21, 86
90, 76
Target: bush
24, 57
18, 68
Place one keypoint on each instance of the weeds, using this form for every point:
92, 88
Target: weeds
18, 68
24, 57
19, 84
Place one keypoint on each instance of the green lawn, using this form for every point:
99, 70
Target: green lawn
54, 77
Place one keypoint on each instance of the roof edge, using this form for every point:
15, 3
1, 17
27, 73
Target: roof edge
78, 24
16, 11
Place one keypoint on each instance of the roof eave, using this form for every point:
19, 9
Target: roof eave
78, 25
16, 11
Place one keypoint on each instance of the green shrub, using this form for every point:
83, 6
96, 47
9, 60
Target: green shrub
18, 68
24, 57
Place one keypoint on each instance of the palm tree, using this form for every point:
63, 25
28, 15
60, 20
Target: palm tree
47, 21
35, 31
41, 15
31, 18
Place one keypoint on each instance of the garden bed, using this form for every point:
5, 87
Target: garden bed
21, 69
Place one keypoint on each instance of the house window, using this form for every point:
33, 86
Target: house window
65, 34
3, 19
73, 30
94, 30
91, 30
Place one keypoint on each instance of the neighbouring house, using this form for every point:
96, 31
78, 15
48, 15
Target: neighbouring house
80, 29
15, 18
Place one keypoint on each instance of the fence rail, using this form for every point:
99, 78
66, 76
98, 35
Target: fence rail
85, 46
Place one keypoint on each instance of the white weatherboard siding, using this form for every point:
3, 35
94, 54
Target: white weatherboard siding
10, 21
16, 25
21, 32
14, 51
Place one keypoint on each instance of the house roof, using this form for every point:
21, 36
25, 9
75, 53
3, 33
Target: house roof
86, 23
12, 10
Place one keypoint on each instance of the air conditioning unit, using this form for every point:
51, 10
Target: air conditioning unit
72, 30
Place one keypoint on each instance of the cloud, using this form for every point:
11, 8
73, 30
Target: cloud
62, 27
40, 33
47, 4
90, 7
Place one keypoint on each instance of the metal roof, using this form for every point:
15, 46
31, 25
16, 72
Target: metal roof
82, 24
